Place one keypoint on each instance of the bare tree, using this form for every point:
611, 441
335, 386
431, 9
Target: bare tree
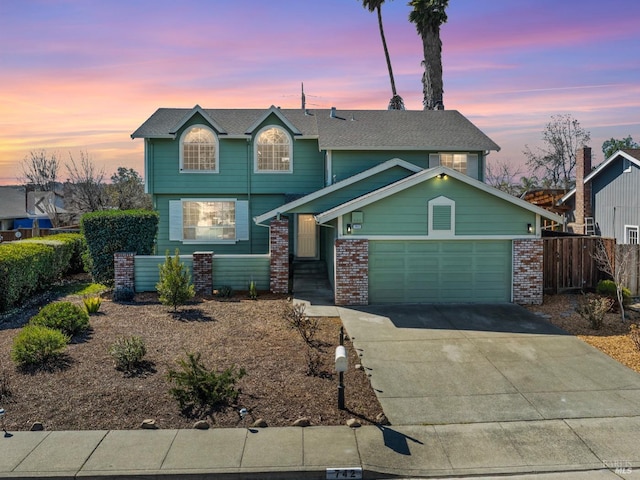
562, 137
84, 190
40, 170
615, 262
501, 175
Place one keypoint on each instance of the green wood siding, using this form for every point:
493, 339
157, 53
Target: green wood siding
477, 212
235, 271
258, 242
354, 190
440, 271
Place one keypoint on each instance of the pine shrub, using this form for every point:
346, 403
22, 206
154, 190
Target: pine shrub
174, 287
67, 317
38, 345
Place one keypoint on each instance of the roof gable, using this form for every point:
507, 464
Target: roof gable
273, 111
423, 176
632, 155
389, 164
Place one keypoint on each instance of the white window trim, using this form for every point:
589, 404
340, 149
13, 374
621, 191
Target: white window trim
442, 201
255, 151
216, 156
631, 228
176, 226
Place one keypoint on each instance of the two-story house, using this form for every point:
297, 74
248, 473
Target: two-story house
392, 201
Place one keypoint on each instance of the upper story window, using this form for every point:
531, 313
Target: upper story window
631, 234
198, 150
273, 151
466, 163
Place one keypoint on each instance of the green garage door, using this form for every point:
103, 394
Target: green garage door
452, 271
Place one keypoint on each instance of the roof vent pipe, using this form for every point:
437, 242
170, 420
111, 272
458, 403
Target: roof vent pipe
333, 112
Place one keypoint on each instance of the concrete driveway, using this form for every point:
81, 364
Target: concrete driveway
444, 364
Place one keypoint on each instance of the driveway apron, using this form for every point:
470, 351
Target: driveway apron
443, 364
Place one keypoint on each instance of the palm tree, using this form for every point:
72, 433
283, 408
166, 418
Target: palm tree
428, 15
396, 102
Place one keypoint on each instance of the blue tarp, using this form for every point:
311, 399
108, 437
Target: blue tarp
28, 223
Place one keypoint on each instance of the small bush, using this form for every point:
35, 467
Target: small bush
67, 317
306, 326
593, 309
608, 289
225, 292
123, 294
174, 287
253, 291
634, 334
200, 389
128, 353
92, 304
38, 345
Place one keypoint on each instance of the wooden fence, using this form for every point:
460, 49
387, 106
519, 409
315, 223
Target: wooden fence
569, 263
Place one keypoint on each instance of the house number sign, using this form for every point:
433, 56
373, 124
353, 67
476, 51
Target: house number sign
346, 473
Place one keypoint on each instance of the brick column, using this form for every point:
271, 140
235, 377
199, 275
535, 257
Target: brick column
279, 261
352, 272
528, 271
203, 272
124, 268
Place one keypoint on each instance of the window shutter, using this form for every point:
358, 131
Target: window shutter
472, 165
441, 217
175, 220
242, 220
434, 160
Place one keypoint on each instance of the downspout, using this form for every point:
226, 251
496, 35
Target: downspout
249, 189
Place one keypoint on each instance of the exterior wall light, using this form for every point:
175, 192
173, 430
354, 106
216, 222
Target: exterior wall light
349, 228
529, 228
442, 176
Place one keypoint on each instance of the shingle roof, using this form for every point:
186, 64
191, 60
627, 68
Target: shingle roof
346, 129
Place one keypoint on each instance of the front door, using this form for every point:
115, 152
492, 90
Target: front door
306, 238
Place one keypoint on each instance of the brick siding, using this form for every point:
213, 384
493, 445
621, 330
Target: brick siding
279, 249
124, 263
352, 272
528, 271
203, 272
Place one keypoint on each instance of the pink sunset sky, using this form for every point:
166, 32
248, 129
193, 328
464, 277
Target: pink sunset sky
82, 75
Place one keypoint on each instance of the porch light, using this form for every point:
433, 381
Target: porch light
442, 176
529, 228
349, 228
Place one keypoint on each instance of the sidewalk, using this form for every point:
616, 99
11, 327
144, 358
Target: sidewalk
600, 445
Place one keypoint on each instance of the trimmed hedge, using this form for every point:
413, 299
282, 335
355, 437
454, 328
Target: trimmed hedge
29, 265
111, 231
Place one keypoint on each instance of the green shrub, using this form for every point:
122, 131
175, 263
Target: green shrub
38, 345
67, 317
253, 291
198, 388
608, 288
128, 353
92, 304
123, 294
593, 309
225, 292
111, 231
174, 287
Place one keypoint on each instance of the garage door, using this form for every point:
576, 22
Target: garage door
439, 271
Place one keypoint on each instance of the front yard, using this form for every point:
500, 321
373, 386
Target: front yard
87, 392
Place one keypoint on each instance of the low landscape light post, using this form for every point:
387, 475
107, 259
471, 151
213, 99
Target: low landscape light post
341, 367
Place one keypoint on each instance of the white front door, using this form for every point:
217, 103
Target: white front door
306, 238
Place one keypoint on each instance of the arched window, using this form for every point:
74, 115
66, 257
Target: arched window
273, 151
198, 150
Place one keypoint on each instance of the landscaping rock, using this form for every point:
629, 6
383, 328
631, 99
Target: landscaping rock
381, 419
358, 366
201, 425
353, 423
302, 422
37, 427
260, 423
149, 424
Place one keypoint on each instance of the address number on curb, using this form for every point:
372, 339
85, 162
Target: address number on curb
339, 473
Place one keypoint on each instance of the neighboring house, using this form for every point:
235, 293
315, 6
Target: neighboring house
19, 208
609, 194
393, 202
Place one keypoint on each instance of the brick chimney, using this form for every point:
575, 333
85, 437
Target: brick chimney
583, 191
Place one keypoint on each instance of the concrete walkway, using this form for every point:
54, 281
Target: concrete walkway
598, 445
468, 394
